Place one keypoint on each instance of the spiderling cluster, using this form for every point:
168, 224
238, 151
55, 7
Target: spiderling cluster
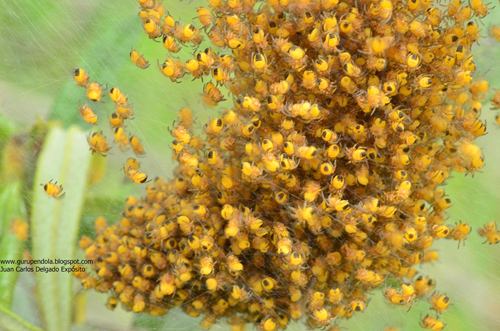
321, 183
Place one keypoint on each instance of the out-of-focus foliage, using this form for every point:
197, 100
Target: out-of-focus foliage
12, 322
13, 235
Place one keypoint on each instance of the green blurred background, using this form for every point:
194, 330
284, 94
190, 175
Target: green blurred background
44, 41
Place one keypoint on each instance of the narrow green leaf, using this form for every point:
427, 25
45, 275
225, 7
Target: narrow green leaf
11, 322
11, 248
64, 158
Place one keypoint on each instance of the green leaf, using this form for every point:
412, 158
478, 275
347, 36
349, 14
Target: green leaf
64, 158
11, 248
11, 322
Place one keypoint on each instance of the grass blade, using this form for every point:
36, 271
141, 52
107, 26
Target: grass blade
11, 248
64, 158
11, 322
